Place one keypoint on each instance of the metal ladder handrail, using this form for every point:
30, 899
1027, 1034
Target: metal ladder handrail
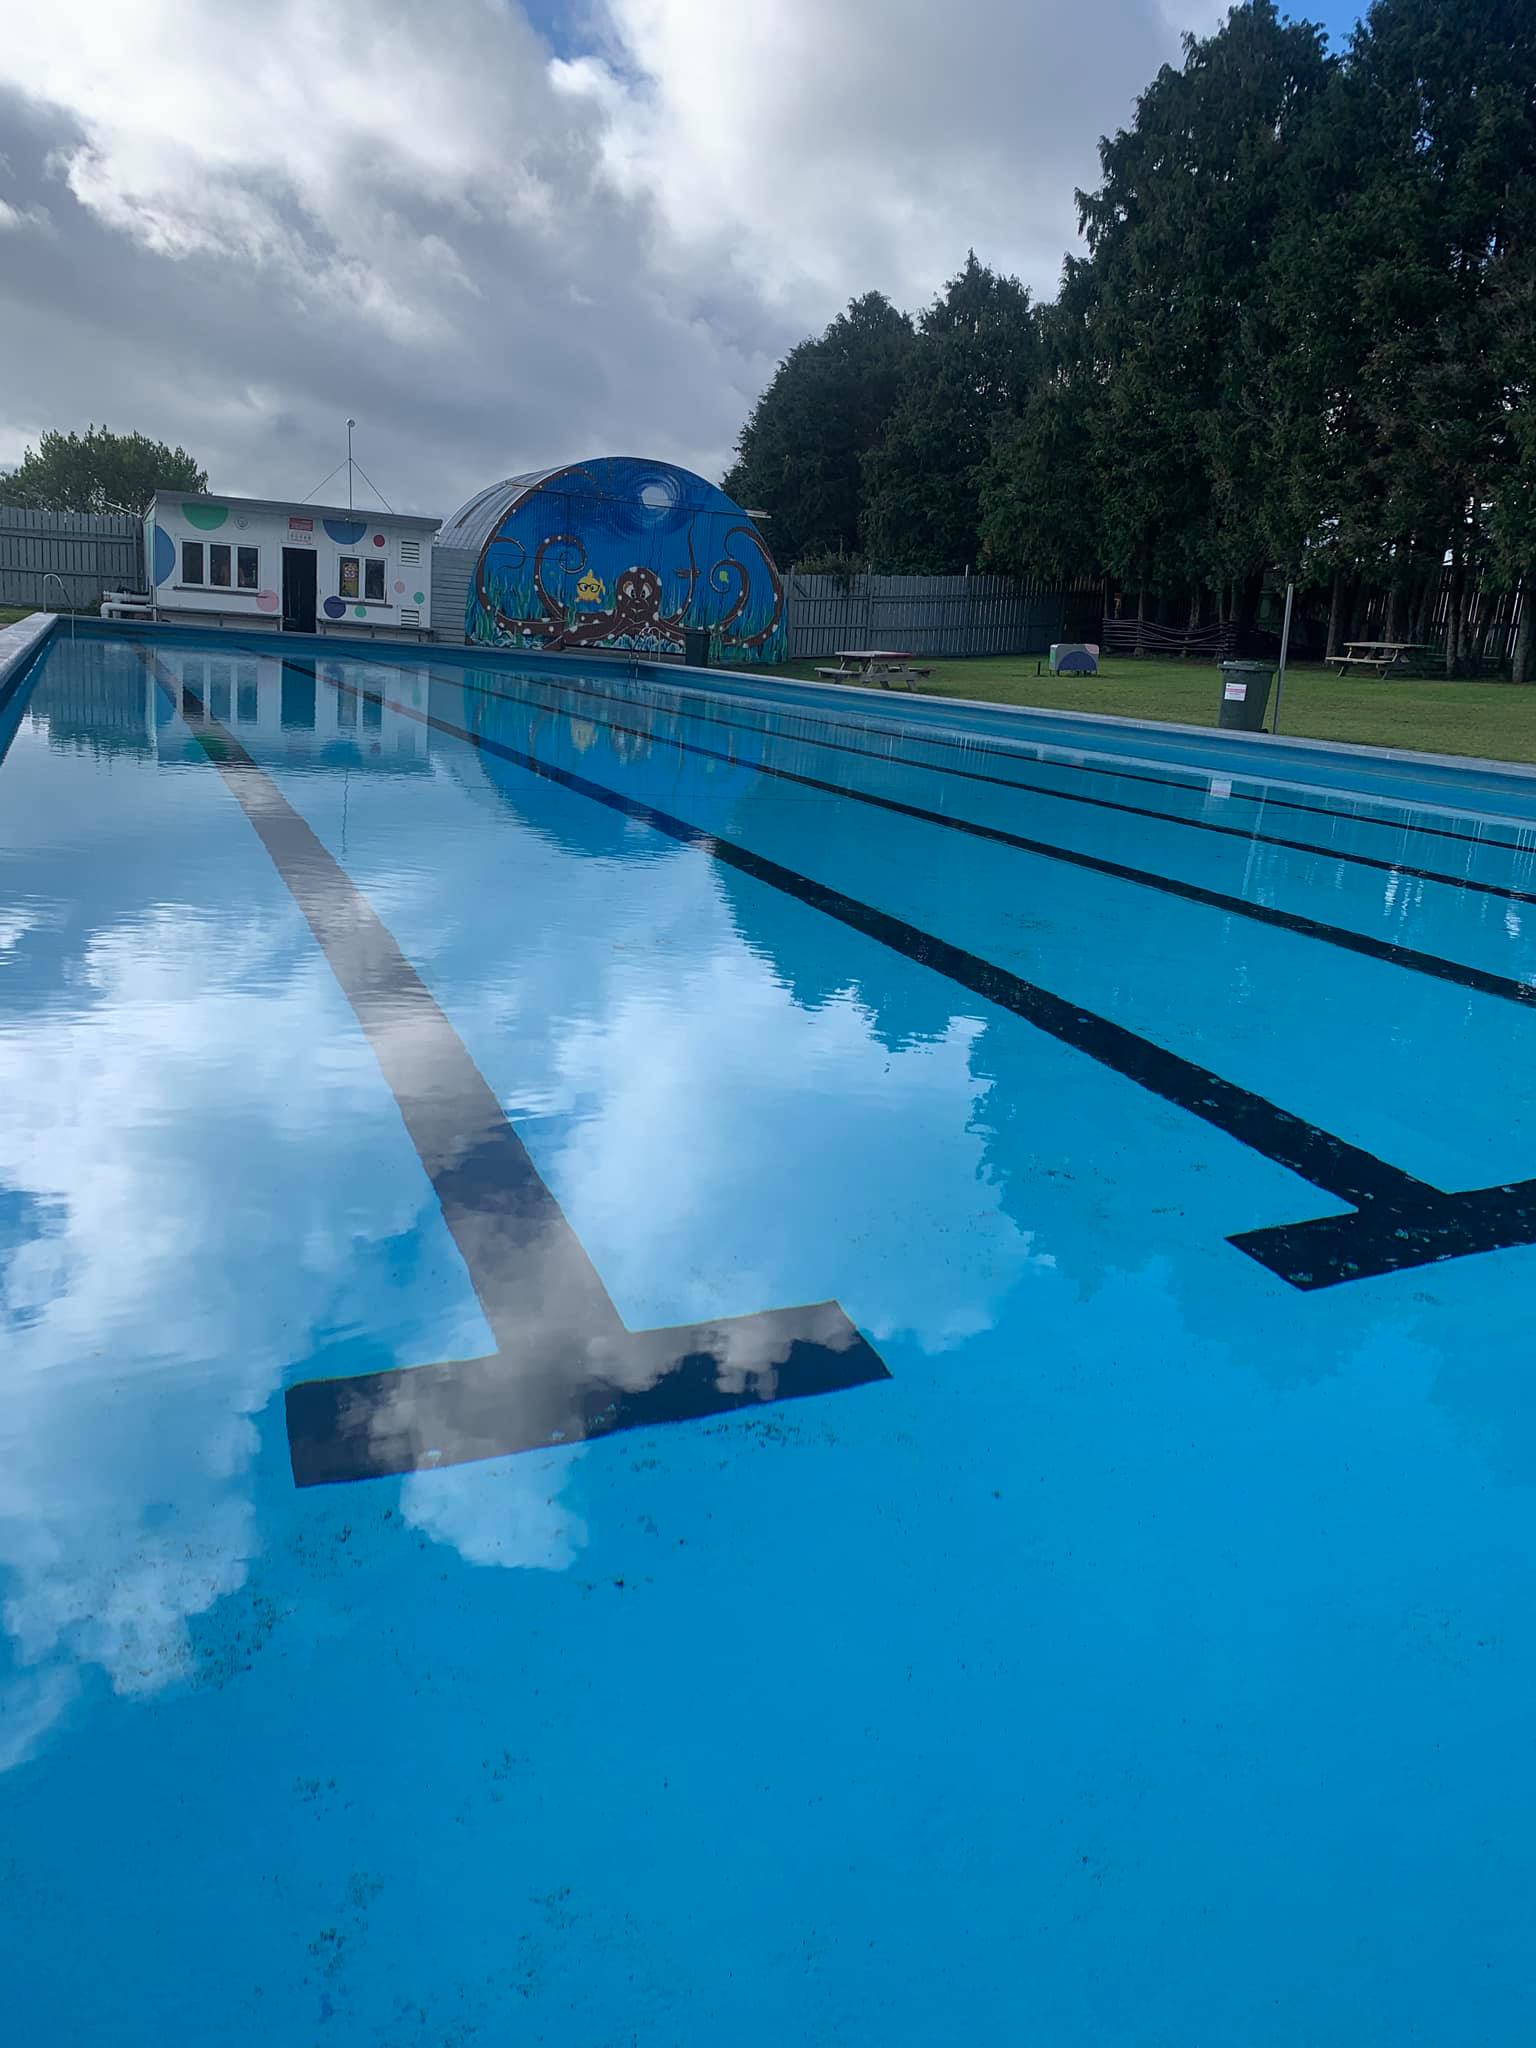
53, 576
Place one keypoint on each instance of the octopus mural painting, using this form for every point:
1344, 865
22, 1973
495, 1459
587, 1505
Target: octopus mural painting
618, 553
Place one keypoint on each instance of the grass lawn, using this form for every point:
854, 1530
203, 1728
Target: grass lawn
1492, 719
10, 613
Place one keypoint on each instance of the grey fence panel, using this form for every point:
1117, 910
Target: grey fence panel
452, 569
90, 552
936, 615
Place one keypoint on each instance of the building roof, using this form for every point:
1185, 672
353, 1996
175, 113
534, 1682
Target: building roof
426, 521
474, 522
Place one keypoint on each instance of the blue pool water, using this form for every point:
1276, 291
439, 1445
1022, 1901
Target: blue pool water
664, 1380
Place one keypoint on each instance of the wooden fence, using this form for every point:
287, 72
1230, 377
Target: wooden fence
1141, 636
89, 552
953, 615
1487, 620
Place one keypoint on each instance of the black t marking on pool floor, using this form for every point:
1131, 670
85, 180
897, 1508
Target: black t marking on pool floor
1396, 1221
566, 1367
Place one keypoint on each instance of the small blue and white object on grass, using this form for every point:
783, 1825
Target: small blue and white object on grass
1074, 658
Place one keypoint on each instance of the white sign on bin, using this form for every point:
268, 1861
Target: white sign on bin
1235, 691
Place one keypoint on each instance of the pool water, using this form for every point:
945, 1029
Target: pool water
691, 1362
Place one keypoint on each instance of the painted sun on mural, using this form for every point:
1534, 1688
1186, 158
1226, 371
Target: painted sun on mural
619, 553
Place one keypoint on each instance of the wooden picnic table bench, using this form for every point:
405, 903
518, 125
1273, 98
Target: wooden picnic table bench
1379, 655
882, 665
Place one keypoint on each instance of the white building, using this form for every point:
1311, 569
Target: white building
252, 562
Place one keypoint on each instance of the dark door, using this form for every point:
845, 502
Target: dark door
298, 590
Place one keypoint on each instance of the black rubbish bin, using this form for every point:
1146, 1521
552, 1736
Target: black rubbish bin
696, 646
1245, 694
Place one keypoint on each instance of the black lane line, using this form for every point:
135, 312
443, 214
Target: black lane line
1397, 1222
1503, 890
565, 1367
1263, 797
1481, 980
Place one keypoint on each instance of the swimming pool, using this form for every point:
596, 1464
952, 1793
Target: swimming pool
694, 1362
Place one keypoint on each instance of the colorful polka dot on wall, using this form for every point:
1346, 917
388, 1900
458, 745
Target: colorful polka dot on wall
205, 517
399, 586
378, 540
334, 608
419, 598
266, 601
360, 611
165, 555
345, 532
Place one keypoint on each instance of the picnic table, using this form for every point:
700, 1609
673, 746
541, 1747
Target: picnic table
882, 665
1379, 655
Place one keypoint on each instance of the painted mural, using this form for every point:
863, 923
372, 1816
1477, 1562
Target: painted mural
622, 553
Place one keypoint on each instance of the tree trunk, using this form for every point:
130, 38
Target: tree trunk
1424, 610
1194, 606
1520, 666
1397, 604
1453, 619
1336, 614
1141, 619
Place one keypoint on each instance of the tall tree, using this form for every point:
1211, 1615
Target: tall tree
1039, 500
99, 471
1179, 233
975, 363
800, 453
1439, 116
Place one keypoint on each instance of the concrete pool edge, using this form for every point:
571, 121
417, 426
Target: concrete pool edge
20, 644
1379, 773
1268, 750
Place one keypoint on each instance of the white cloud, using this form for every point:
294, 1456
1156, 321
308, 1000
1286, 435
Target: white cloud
14, 218
494, 255
506, 1513
833, 147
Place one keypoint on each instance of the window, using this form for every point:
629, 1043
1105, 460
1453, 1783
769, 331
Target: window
218, 564
191, 561
348, 584
247, 569
373, 709
373, 581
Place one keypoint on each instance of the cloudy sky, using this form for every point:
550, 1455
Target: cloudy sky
505, 232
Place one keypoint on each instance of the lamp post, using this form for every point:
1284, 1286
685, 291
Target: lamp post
350, 425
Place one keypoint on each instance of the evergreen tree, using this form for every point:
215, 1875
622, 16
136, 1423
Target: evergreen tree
1303, 336
98, 471
1178, 235
800, 453
975, 362
1039, 493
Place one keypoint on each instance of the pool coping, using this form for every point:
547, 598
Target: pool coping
1272, 753
20, 644
1524, 771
